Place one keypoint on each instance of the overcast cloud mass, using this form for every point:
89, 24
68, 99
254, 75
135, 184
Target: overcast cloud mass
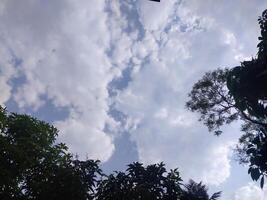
124, 67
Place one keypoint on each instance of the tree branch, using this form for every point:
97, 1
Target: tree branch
252, 120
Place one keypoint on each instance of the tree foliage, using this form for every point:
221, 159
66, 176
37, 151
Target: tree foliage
141, 183
197, 191
225, 95
150, 183
210, 97
34, 167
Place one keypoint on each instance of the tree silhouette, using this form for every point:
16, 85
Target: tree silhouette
197, 191
210, 97
33, 166
225, 95
141, 183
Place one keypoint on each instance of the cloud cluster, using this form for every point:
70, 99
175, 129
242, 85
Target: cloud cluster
165, 131
62, 45
251, 192
185, 39
70, 52
7, 72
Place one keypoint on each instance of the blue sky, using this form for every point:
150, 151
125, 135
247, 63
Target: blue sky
113, 76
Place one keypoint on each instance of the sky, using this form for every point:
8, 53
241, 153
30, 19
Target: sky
113, 77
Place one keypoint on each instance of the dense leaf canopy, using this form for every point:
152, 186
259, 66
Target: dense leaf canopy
141, 183
33, 166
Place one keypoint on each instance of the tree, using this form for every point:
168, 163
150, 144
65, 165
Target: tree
197, 191
150, 183
225, 95
141, 183
210, 97
33, 166
247, 83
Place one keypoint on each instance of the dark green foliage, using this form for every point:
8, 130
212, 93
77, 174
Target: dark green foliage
150, 183
263, 38
247, 83
256, 152
75, 180
141, 183
223, 96
33, 166
248, 86
197, 191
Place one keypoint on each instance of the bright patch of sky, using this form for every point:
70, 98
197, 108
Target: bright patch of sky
113, 76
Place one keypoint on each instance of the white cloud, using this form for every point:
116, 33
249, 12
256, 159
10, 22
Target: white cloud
165, 131
7, 71
251, 192
5, 91
154, 16
237, 18
85, 139
189, 39
63, 47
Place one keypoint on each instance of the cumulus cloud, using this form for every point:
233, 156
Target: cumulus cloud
85, 139
71, 51
62, 45
164, 131
188, 38
7, 72
251, 192
153, 16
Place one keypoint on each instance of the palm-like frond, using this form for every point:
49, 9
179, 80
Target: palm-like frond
216, 196
198, 191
